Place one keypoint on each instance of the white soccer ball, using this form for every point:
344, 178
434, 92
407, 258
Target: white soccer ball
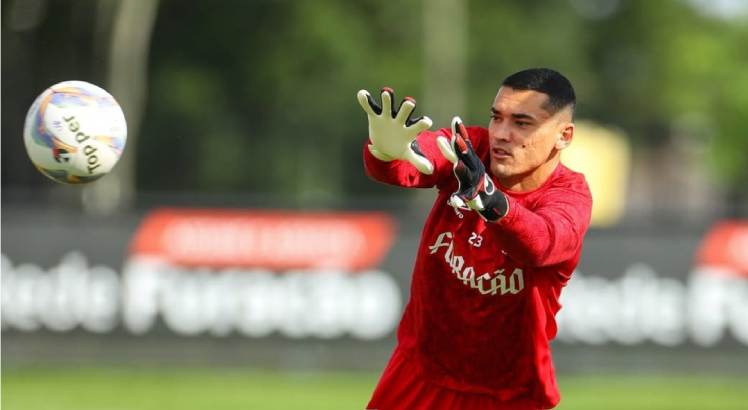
75, 132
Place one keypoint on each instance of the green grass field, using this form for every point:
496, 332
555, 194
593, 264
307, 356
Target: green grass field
216, 389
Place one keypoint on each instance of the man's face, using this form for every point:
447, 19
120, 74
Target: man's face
522, 134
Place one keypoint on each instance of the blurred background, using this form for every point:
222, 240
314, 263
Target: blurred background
238, 257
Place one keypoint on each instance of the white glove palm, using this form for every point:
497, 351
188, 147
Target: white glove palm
475, 189
393, 133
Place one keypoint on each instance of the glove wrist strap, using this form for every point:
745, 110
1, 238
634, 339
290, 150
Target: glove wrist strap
496, 204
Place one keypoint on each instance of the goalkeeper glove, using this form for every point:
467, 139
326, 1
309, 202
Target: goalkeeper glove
476, 190
392, 132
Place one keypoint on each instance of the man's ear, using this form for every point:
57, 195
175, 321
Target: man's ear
565, 135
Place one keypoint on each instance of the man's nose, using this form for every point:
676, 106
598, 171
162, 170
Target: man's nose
500, 132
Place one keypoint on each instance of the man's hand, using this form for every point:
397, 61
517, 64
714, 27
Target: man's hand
476, 190
392, 132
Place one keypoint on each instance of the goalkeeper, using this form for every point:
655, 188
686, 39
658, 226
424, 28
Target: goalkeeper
502, 239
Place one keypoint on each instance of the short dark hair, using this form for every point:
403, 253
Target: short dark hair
550, 82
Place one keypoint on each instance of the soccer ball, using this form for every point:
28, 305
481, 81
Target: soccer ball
75, 132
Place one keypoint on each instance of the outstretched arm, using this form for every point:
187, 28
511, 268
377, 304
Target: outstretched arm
551, 232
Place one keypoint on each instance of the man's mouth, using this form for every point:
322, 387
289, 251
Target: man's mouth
500, 153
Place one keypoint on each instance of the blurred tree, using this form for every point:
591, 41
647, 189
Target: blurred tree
127, 77
263, 98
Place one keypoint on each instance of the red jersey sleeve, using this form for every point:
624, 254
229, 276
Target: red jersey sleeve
404, 174
551, 229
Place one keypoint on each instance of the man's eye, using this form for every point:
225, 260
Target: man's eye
521, 124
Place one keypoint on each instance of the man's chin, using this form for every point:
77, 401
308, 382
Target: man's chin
501, 171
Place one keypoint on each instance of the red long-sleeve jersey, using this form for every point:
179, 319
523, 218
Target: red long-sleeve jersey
484, 295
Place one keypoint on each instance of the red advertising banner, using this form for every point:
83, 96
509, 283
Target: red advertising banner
726, 246
276, 240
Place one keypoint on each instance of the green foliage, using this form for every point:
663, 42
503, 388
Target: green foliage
265, 92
